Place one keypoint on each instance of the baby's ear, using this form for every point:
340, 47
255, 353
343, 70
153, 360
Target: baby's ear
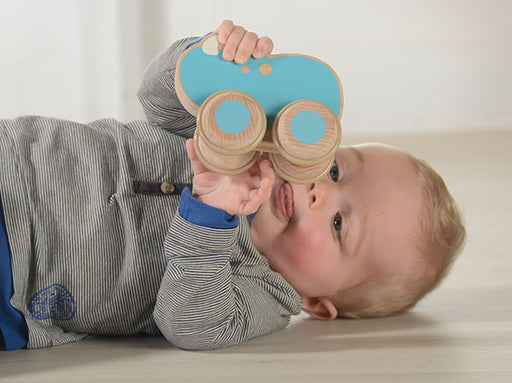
320, 308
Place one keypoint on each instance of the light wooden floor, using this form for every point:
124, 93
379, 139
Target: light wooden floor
460, 333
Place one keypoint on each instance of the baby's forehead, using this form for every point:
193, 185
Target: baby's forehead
381, 158
395, 228
405, 244
377, 148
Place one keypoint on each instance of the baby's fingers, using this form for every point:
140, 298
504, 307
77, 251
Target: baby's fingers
224, 30
264, 47
246, 47
252, 205
239, 44
232, 43
262, 191
267, 179
256, 198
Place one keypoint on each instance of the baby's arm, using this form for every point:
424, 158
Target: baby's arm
157, 93
217, 290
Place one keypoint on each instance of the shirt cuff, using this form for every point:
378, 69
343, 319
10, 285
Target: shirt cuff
201, 214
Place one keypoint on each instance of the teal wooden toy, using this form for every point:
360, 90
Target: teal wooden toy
288, 105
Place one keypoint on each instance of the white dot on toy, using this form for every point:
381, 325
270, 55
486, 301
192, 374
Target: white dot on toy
210, 47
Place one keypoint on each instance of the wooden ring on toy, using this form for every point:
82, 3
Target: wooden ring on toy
221, 163
307, 132
231, 122
299, 174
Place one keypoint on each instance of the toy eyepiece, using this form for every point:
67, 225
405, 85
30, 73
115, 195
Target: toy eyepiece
306, 132
299, 174
232, 116
230, 125
231, 122
221, 163
308, 127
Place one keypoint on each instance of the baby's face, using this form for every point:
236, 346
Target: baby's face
360, 220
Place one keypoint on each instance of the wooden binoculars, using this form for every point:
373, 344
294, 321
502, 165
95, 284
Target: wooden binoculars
287, 105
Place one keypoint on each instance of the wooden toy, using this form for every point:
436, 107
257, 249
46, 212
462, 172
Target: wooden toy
287, 105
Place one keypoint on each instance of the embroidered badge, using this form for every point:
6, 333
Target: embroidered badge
53, 302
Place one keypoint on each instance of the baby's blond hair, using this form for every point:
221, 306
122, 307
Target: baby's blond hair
442, 238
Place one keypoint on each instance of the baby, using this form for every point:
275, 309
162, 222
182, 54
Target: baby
369, 239
110, 228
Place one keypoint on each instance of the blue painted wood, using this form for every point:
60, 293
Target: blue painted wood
292, 77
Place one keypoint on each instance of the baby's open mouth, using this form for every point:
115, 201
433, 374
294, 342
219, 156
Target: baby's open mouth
286, 201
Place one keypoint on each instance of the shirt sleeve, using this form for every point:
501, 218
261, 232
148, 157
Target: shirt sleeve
157, 92
217, 290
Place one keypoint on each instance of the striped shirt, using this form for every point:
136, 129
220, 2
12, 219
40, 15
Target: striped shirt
98, 249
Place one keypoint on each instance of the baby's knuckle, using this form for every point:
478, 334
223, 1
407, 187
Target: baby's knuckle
239, 30
251, 35
266, 43
226, 24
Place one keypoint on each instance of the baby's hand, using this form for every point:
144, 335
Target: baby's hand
236, 194
240, 44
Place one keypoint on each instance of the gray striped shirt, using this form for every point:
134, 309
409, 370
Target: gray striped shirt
95, 253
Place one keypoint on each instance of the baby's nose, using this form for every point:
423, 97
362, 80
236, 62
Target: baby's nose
315, 194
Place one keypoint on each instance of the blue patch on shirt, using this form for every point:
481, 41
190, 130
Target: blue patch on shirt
53, 302
201, 214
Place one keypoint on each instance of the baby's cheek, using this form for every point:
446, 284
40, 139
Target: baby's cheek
313, 235
308, 245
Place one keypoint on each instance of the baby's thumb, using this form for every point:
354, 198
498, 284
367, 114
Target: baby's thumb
267, 179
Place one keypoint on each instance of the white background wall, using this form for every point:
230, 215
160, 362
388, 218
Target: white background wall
406, 65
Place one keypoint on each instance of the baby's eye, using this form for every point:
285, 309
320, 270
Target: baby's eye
334, 173
337, 222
